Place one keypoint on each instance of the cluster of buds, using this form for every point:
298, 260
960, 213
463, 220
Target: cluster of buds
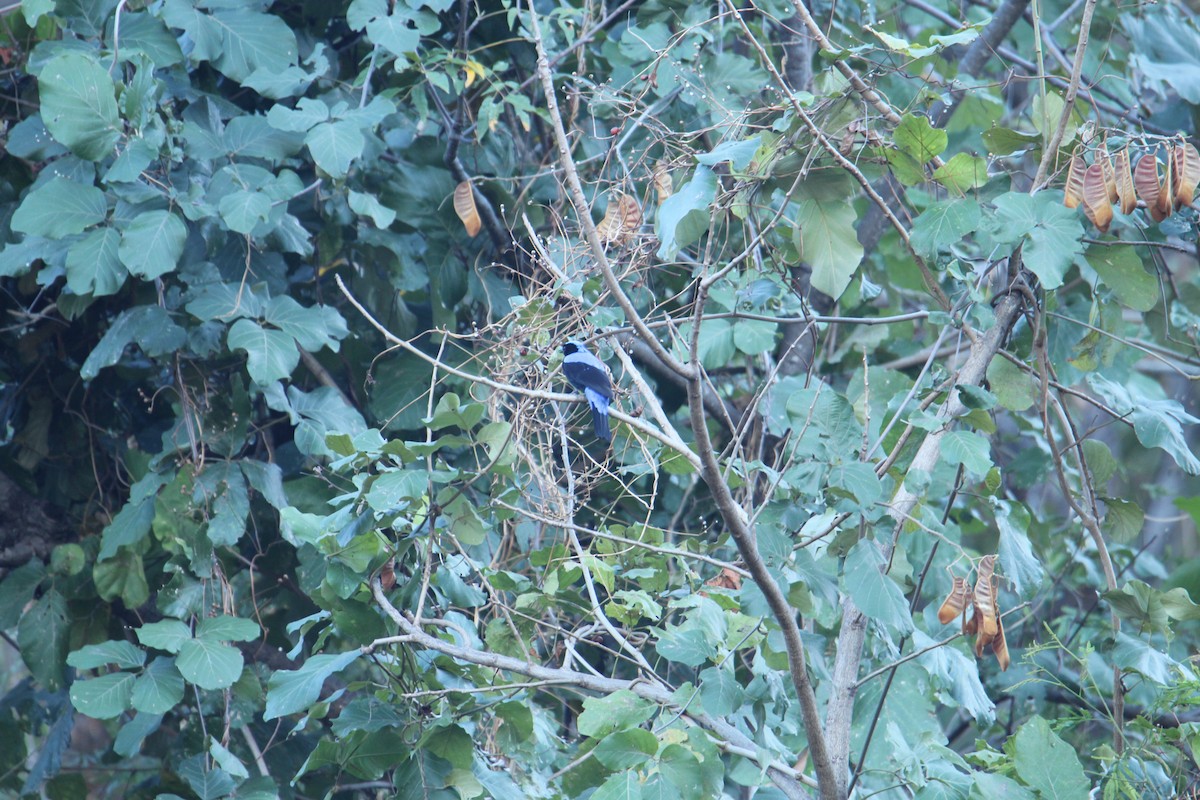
984, 623
1110, 181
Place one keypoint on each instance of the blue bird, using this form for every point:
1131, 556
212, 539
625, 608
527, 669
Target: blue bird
589, 375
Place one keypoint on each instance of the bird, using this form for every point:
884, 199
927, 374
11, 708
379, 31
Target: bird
589, 375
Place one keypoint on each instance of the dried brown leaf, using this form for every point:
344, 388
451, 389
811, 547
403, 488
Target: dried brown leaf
985, 597
1096, 199
1145, 180
727, 579
1073, 192
955, 602
1186, 172
622, 218
1124, 177
1000, 648
662, 181
464, 206
1110, 175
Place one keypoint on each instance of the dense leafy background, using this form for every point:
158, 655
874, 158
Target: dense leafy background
296, 505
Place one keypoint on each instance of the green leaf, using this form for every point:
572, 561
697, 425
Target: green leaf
93, 266
313, 327
392, 32
683, 771
827, 240
452, 743
104, 697
876, 595
42, 637
79, 105
919, 139
152, 244
1123, 520
684, 216
617, 711
334, 145
209, 664
857, 479
131, 735
1021, 566
67, 559
292, 691
159, 688
368, 205
754, 337
1053, 233
243, 211
626, 749
1005, 142
1121, 270
251, 40
125, 655
1012, 385
60, 207
123, 576
169, 635
969, 449
963, 173
371, 714
720, 692
621, 786
1047, 763
150, 326
17, 589
1157, 422
944, 224
271, 354
33, 10
227, 629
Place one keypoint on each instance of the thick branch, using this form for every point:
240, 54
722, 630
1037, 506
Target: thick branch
791, 782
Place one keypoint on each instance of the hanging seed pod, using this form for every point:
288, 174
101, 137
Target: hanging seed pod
1000, 646
1073, 192
1185, 162
1124, 178
1165, 204
955, 602
1146, 182
464, 207
1110, 175
985, 598
1096, 202
621, 219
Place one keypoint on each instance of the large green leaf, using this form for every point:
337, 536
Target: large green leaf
876, 595
60, 207
271, 354
292, 691
42, 637
104, 697
1047, 763
684, 216
150, 326
827, 240
152, 244
944, 224
79, 105
1121, 270
124, 654
613, 712
93, 265
208, 663
334, 145
1051, 232
159, 688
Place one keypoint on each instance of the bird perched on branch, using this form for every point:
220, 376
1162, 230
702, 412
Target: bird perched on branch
589, 375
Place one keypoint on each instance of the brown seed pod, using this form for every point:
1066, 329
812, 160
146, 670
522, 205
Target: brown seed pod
1146, 182
985, 598
1096, 202
955, 602
1073, 191
1124, 177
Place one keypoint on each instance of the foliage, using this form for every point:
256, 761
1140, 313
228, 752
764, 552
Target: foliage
302, 506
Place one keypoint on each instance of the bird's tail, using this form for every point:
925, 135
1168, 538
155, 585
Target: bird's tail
599, 404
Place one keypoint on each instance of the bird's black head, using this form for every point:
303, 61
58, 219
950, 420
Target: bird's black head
570, 348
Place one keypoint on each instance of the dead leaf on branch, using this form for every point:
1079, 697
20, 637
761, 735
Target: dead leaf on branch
621, 220
464, 206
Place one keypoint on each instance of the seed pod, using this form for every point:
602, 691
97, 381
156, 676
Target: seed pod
1110, 176
1145, 180
1073, 192
1186, 172
1124, 178
985, 598
955, 602
1096, 202
1000, 647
